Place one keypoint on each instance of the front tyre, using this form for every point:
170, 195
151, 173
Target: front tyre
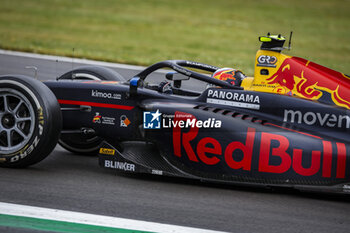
30, 121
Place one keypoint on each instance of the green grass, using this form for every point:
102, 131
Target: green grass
218, 32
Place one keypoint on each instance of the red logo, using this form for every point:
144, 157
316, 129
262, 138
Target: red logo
224, 74
97, 118
210, 151
309, 80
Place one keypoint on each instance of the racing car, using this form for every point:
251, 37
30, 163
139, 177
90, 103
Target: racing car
288, 126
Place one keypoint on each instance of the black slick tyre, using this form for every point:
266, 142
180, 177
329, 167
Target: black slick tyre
30, 121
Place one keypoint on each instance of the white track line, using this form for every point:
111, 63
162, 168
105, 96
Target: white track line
92, 219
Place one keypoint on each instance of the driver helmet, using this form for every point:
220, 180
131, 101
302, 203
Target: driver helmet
229, 75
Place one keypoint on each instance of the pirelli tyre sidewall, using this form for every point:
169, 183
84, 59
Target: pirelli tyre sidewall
42, 111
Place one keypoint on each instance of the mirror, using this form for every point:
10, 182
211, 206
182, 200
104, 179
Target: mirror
176, 78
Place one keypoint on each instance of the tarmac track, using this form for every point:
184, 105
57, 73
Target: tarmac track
76, 183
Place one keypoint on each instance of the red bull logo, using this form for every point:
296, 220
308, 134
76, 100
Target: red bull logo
225, 74
328, 160
309, 80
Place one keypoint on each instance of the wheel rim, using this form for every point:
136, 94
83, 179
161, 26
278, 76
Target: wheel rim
17, 120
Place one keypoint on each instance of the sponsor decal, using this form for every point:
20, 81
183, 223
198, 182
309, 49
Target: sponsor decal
279, 90
107, 151
99, 119
309, 80
181, 70
108, 120
105, 95
267, 61
235, 99
151, 120
124, 121
157, 172
210, 151
120, 165
201, 65
317, 118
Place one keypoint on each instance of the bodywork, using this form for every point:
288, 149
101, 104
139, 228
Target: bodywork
286, 126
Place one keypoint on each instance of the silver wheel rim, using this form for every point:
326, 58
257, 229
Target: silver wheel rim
17, 120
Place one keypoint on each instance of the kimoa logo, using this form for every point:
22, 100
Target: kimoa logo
227, 95
106, 95
312, 118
